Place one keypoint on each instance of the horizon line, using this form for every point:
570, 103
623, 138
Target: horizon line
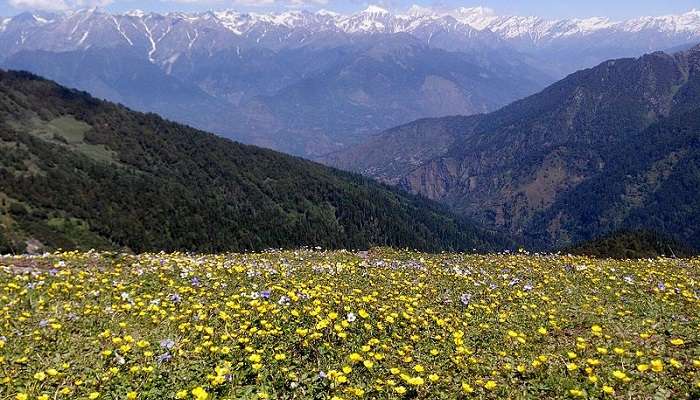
371, 8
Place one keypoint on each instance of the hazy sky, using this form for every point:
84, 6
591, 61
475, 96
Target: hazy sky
617, 9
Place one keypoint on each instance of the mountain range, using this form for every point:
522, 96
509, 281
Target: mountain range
78, 172
612, 147
167, 37
311, 83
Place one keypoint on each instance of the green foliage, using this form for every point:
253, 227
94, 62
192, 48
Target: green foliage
70, 129
612, 147
17, 209
651, 183
5, 244
175, 188
631, 245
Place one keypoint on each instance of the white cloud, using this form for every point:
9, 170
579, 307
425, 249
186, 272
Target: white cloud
245, 3
51, 5
56, 5
92, 3
301, 3
62, 5
254, 3
190, 1
251, 3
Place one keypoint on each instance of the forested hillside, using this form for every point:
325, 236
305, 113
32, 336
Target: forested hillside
76, 172
607, 148
626, 244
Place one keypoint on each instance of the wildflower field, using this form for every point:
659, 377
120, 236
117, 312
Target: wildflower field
341, 325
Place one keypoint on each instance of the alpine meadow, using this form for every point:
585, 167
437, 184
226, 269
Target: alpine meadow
336, 200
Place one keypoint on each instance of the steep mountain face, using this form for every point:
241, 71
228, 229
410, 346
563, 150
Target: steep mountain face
80, 172
314, 83
602, 149
568, 45
652, 183
390, 82
306, 83
390, 156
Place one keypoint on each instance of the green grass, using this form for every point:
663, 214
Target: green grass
68, 128
70, 132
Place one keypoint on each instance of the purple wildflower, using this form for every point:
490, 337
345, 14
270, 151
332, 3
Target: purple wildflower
165, 357
284, 301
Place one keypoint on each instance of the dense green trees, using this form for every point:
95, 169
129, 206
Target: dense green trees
612, 147
631, 244
135, 180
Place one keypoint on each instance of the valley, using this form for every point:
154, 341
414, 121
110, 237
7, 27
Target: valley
313, 83
594, 152
78, 172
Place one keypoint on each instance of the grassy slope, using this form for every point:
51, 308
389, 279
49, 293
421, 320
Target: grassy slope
395, 325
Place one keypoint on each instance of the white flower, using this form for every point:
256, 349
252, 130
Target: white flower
351, 317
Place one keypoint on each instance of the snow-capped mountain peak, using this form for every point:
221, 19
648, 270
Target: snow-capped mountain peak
377, 19
476, 17
687, 22
419, 11
592, 24
327, 13
373, 19
164, 36
375, 10
135, 13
